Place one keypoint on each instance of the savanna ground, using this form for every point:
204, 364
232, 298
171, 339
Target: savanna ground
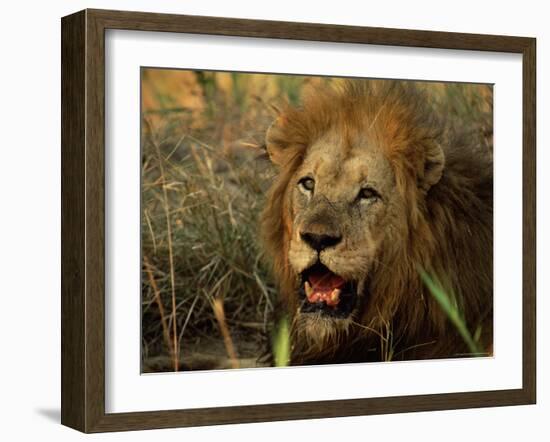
207, 297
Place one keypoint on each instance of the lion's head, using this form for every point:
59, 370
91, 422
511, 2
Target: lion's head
348, 221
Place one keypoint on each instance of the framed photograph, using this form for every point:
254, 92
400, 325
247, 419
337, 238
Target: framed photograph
269, 220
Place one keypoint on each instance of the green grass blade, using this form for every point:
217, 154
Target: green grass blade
281, 344
452, 312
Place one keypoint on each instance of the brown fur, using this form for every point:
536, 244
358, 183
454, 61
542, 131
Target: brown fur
443, 225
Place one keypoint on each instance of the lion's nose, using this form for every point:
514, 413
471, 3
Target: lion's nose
320, 241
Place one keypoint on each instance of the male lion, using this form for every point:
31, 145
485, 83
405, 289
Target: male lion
374, 189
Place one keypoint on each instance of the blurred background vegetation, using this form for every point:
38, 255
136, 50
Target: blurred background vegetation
208, 301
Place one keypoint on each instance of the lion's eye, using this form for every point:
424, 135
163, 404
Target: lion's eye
307, 184
368, 193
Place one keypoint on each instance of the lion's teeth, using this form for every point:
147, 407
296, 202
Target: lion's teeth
308, 289
335, 295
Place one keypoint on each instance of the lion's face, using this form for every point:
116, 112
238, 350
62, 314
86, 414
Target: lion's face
355, 165
343, 200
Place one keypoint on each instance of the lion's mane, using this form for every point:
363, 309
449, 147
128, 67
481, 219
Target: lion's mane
449, 231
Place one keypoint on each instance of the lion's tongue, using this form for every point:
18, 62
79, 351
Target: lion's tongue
324, 287
325, 281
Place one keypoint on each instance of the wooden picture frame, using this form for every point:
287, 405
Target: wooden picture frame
83, 219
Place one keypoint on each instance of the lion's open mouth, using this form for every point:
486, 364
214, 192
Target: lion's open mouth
326, 292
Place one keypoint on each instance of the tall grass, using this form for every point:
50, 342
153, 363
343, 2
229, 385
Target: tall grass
204, 278
198, 232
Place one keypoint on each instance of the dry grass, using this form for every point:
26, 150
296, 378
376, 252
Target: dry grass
219, 313
202, 191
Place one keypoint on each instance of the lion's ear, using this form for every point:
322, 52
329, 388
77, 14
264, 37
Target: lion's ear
434, 165
276, 143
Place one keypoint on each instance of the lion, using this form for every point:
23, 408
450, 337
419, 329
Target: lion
373, 190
